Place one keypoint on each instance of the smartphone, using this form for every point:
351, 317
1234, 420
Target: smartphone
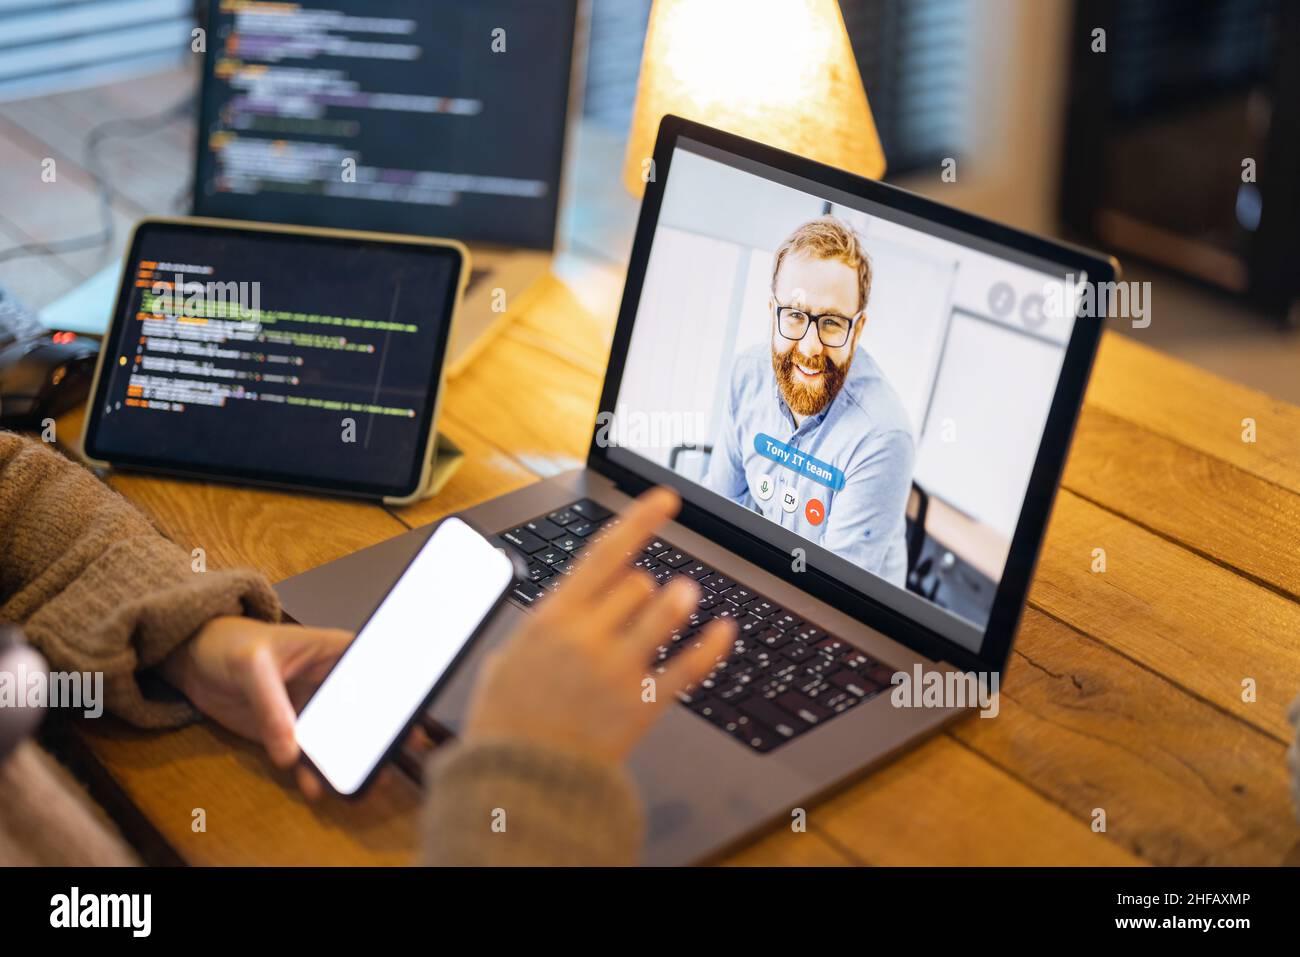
402, 655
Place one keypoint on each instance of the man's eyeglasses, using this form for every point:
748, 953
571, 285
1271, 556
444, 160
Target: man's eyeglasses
833, 330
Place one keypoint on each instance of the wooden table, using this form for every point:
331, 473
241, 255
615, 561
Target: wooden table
1124, 693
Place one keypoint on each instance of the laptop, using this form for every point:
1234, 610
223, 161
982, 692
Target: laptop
443, 118
865, 400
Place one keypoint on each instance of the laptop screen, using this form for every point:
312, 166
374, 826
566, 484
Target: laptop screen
441, 118
862, 387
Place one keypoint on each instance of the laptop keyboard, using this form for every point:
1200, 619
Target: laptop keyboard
785, 675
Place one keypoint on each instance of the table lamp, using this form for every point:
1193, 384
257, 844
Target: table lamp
779, 71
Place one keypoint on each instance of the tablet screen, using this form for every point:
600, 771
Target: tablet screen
303, 360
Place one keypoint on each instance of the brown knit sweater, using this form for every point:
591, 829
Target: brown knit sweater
95, 588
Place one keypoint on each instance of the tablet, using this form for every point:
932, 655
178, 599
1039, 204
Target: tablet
301, 358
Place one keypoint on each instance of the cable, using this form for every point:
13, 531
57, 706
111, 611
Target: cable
130, 126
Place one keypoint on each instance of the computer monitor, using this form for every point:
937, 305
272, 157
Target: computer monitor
439, 118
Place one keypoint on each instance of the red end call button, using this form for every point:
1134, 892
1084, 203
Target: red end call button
814, 511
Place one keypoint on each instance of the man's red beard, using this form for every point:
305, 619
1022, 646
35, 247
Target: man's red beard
804, 399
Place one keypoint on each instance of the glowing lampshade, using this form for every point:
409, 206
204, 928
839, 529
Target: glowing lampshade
779, 71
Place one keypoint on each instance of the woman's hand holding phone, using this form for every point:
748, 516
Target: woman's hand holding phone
252, 677
571, 676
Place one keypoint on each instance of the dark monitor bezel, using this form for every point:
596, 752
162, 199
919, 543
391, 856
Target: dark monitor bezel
1026, 543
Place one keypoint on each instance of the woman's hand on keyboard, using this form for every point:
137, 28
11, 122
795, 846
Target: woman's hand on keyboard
576, 675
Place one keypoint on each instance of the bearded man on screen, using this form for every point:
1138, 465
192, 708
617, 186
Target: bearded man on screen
815, 437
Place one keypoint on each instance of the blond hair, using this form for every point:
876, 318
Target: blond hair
828, 238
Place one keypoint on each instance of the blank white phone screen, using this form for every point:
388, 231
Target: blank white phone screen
401, 653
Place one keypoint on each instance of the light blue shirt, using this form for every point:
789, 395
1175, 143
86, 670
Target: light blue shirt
864, 433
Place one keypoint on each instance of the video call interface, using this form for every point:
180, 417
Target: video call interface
273, 340
870, 383
395, 112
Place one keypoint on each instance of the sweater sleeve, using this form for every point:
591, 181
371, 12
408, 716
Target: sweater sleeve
500, 802
95, 587
49, 820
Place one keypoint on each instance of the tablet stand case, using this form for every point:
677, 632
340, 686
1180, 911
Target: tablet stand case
445, 458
